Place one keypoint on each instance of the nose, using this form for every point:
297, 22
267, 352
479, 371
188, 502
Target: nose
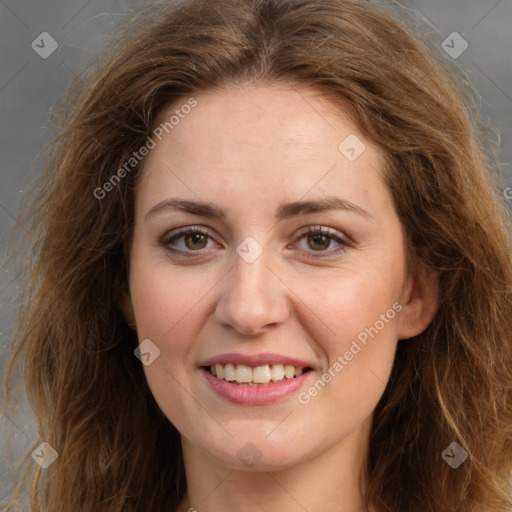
254, 297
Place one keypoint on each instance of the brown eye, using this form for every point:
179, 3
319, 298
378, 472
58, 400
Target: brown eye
318, 240
197, 241
194, 240
321, 242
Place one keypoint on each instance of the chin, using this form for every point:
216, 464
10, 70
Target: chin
251, 458
256, 450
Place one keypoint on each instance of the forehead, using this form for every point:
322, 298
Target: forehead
260, 145
245, 119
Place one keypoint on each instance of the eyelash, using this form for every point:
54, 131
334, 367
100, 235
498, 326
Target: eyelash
313, 230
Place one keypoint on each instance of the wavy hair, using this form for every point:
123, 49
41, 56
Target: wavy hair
453, 382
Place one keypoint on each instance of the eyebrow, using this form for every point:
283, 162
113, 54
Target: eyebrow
284, 211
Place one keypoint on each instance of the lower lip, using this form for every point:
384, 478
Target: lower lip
260, 394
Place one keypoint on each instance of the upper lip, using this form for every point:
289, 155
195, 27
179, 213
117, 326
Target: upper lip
255, 360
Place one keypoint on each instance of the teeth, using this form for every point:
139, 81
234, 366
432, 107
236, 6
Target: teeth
261, 374
277, 372
289, 371
229, 372
243, 374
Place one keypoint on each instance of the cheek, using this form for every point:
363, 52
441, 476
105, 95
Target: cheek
356, 322
347, 306
167, 301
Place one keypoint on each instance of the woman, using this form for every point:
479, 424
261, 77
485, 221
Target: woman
271, 271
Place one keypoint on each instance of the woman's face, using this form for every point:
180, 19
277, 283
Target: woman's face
250, 289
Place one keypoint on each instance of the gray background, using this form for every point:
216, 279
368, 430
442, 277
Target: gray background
31, 85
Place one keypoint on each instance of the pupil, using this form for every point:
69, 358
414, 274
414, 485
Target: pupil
323, 237
196, 239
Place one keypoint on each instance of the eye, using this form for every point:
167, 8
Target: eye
194, 238
319, 239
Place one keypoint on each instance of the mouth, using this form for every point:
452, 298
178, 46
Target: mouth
262, 375
255, 385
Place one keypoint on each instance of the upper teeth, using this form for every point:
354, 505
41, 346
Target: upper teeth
244, 374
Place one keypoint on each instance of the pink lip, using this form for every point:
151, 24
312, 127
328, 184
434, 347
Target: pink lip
261, 394
254, 360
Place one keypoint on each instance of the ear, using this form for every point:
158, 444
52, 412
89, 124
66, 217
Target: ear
420, 301
126, 307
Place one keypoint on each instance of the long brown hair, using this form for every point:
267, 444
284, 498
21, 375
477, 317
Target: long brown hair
452, 383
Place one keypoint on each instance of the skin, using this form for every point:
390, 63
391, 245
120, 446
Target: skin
247, 149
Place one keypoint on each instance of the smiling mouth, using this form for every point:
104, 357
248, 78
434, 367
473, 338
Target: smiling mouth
256, 376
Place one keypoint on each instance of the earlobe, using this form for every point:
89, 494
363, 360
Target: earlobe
420, 303
126, 307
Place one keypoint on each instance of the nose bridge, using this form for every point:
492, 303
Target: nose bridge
252, 297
